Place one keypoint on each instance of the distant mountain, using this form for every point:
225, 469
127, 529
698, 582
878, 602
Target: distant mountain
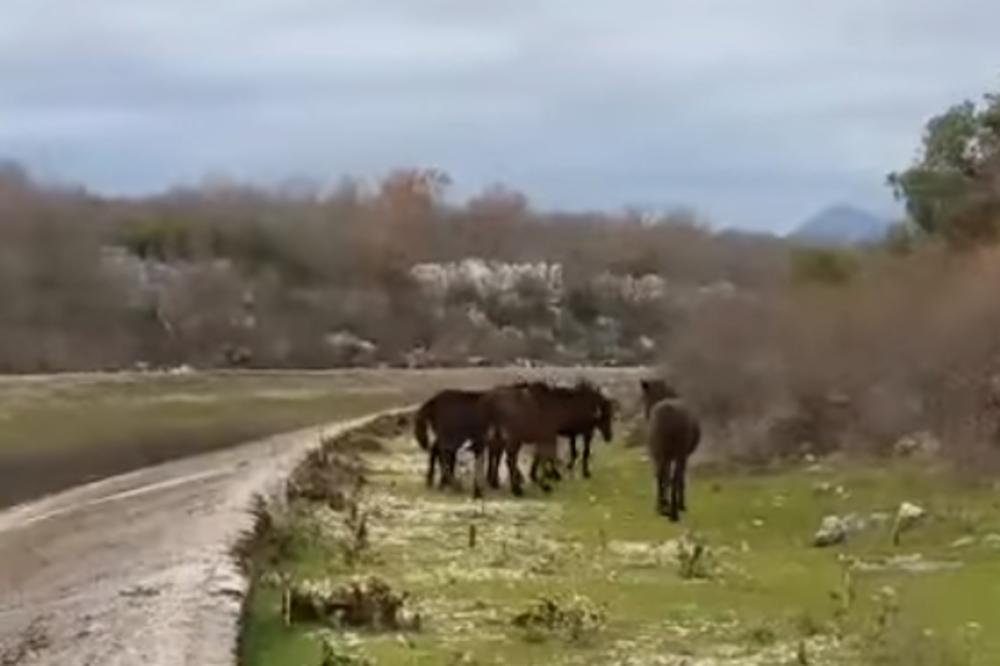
842, 225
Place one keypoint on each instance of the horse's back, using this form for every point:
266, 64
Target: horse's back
456, 409
674, 430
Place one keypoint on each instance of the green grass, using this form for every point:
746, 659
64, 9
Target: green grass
59, 431
769, 588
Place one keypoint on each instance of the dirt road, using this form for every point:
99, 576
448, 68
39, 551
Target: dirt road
135, 570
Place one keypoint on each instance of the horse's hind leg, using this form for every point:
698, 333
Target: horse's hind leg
587, 438
432, 457
677, 489
513, 470
552, 464
449, 453
495, 452
662, 487
572, 452
545, 450
680, 472
480, 473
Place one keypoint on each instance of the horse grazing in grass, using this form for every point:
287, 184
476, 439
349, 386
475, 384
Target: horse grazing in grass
583, 409
674, 434
455, 417
528, 412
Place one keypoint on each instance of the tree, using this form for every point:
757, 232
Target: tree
953, 189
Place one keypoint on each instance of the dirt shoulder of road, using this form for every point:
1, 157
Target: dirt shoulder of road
138, 568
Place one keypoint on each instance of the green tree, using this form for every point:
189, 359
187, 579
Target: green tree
953, 188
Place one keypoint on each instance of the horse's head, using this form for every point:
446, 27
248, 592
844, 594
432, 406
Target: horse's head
655, 390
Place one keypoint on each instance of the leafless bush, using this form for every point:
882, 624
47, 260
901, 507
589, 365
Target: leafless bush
226, 274
909, 344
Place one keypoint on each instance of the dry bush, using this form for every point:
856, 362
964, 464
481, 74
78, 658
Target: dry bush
227, 274
359, 603
909, 344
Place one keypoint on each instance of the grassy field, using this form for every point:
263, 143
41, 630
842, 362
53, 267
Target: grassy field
59, 431
624, 585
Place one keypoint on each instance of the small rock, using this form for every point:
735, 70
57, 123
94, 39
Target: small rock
823, 488
963, 542
832, 531
992, 540
757, 522
916, 444
907, 516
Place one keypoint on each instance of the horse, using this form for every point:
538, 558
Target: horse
527, 412
583, 411
455, 416
674, 434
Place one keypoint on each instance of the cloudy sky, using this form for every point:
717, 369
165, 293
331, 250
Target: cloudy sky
753, 112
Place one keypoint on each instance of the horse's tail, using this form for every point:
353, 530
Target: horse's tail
420, 424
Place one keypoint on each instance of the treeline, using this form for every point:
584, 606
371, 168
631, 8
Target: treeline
227, 274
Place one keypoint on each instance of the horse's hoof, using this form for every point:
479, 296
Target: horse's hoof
546, 488
517, 491
586, 473
674, 518
477, 493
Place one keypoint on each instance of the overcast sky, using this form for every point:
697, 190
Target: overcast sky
755, 113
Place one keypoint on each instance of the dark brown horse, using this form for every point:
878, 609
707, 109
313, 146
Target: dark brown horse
519, 414
584, 409
455, 417
674, 434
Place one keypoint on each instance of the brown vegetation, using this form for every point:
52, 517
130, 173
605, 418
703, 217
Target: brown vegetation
909, 344
230, 275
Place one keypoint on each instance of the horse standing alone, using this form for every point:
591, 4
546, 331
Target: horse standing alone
674, 434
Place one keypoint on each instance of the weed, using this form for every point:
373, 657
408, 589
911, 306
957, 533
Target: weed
694, 559
808, 626
356, 544
762, 635
574, 618
368, 603
335, 651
